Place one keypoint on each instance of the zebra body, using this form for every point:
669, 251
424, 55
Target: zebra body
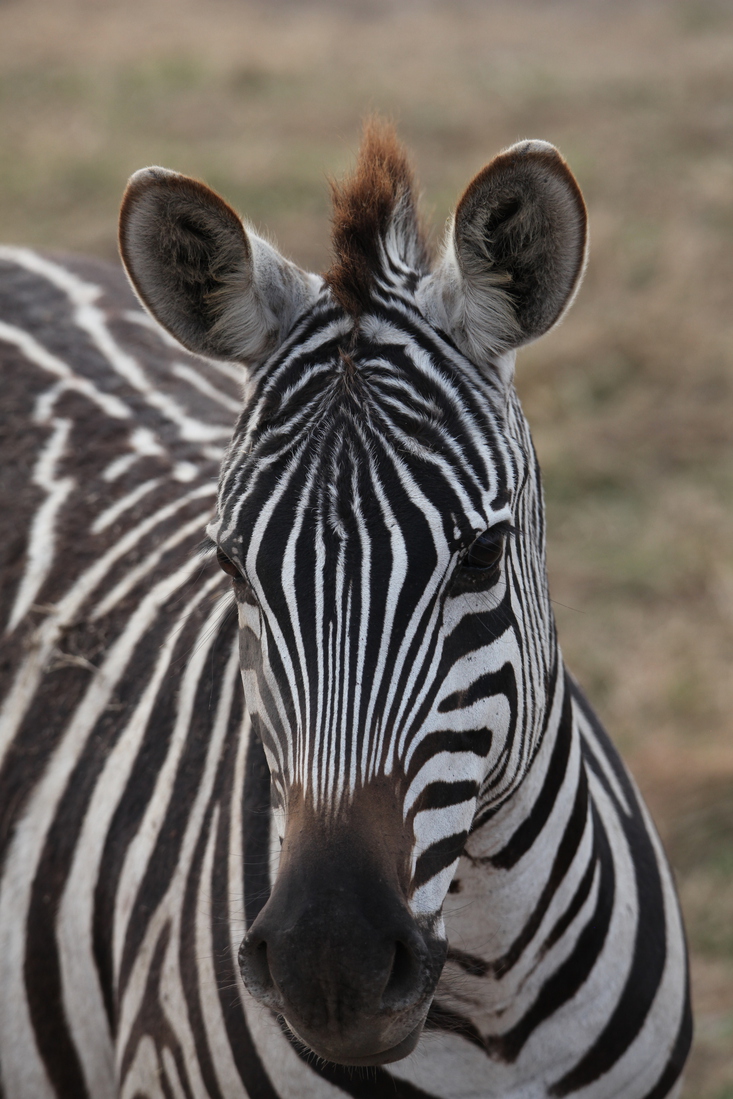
147, 816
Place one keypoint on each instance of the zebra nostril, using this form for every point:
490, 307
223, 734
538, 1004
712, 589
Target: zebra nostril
406, 979
254, 966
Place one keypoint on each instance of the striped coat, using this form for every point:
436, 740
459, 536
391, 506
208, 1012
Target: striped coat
143, 807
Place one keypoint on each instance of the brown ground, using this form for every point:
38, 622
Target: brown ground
631, 400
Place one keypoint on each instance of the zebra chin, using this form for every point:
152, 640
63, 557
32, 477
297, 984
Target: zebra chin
361, 1060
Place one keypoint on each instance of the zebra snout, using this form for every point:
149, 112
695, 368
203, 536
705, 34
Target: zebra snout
353, 980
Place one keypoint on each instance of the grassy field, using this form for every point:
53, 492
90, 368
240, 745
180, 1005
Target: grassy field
631, 399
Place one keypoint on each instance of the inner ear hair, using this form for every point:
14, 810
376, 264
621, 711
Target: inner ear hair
520, 236
186, 253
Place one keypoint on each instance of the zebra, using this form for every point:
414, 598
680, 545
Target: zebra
412, 865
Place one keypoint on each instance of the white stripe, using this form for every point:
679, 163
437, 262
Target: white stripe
225, 1070
83, 1001
288, 582
146, 566
144, 444
397, 574
143, 1078
91, 319
587, 733
172, 996
141, 847
171, 1073
24, 851
40, 356
193, 378
34, 665
42, 534
233, 371
113, 512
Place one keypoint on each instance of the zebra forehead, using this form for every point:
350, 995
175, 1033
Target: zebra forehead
394, 409
389, 378
347, 464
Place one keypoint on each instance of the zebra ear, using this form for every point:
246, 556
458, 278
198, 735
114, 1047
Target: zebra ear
514, 255
218, 288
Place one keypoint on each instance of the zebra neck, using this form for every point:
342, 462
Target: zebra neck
520, 883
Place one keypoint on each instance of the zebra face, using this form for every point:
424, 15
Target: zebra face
380, 514
367, 529
359, 526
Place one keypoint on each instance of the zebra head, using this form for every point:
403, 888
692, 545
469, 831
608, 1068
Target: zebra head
381, 517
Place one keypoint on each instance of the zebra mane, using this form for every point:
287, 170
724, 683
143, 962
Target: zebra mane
375, 219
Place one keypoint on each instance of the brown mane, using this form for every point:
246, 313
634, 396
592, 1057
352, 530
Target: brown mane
364, 204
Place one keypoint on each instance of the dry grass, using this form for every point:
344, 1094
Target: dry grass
631, 399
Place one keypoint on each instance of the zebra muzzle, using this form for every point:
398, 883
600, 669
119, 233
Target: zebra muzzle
337, 953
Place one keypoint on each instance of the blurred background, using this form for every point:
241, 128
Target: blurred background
630, 400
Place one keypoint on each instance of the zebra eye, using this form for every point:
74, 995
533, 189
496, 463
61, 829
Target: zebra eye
485, 553
228, 566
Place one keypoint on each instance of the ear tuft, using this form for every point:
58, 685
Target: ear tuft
515, 256
220, 290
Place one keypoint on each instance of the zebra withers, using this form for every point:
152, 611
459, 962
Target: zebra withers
415, 850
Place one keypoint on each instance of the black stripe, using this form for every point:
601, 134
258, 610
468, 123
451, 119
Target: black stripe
650, 947
252, 1072
256, 829
187, 954
42, 968
431, 343
528, 832
164, 858
451, 1022
501, 682
441, 795
568, 978
580, 897
127, 817
477, 741
678, 1056
566, 852
165, 1085
436, 857
151, 1021
42, 975
469, 963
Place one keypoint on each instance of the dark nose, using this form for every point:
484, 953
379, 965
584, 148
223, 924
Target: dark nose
345, 963
334, 952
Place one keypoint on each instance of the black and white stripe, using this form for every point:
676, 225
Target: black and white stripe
139, 830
